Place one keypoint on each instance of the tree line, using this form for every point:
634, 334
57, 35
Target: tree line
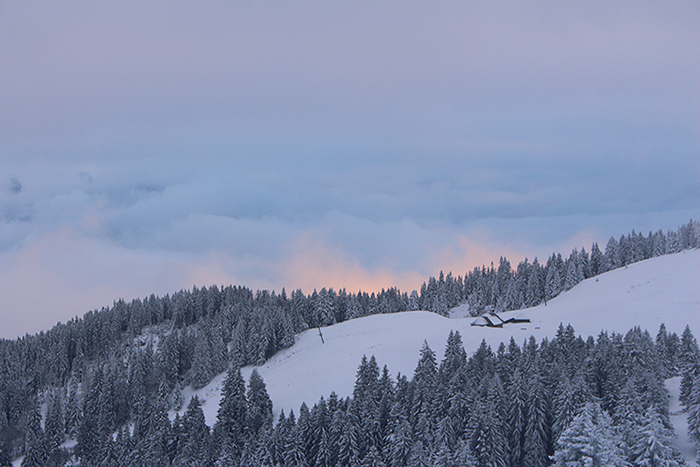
565, 402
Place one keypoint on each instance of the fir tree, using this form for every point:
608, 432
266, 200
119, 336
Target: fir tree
488, 444
536, 443
202, 368
629, 412
565, 407
424, 386
517, 420
688, 363
55, 424
348, 449
455, 358
597, 261
612, 255
552, 283
533, 294
365, 392
305, 433
35, 448
195, 449
89, 432
571, 278
590, 440
654, 444
259, 405
231, 417
294, 455
693, 408
399, 438
666, 349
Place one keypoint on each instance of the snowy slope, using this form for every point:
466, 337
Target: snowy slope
680, 421
664, 289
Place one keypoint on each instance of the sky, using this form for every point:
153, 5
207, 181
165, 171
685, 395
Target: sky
150, 146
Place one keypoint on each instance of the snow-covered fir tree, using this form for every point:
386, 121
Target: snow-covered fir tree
590, 440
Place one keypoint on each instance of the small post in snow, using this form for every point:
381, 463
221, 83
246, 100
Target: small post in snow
321, 334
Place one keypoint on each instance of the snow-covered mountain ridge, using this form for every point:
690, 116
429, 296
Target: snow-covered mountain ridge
660, 290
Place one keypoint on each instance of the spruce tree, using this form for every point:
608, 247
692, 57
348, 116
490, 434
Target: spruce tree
156, 432
446, 434
653, 446
424, 386
612, 256
552, 285
305, 433
693, 408
455, 358
259, 405
517, 419
666, 349
570, 397
294, 455
55, 424
89, 432
443, 457
533, 293
488, 443
231, 424
571, 278
597, 261
137, 387
399, 438
348, 449
366, 390
35, 448
536, 443
629, 412
195, 450
688, 363
590, 440
202, 363
387, 397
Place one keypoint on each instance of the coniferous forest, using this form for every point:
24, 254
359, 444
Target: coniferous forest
96, 391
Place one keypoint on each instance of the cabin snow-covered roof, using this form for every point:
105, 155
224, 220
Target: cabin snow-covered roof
496, 320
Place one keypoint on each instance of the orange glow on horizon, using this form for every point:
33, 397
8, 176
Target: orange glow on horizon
316, 264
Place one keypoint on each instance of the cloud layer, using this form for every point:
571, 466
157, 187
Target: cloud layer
150, 146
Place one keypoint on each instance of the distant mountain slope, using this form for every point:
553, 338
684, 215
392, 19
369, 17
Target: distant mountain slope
660, 290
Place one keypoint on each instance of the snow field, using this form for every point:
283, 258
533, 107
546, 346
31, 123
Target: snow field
660, 290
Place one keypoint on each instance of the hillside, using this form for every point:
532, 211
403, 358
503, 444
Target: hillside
646, 294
